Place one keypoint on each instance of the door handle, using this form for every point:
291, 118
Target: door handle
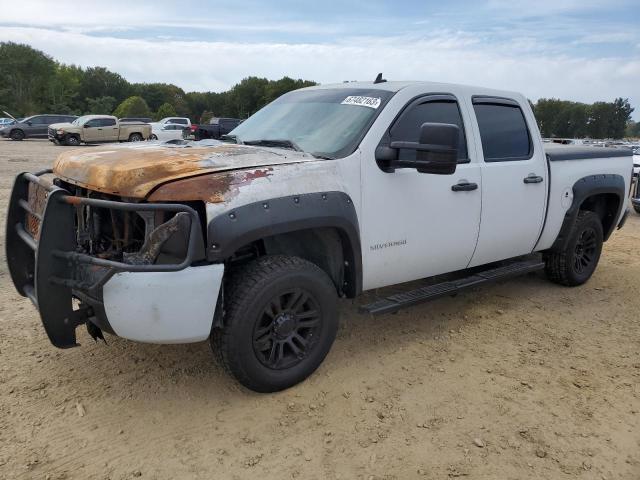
464, 186
532, 178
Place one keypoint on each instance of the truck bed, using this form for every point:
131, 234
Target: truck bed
557, 152
565, 172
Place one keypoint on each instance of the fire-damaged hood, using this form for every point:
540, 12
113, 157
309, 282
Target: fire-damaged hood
135, 170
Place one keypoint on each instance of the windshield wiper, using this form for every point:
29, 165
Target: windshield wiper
275, 143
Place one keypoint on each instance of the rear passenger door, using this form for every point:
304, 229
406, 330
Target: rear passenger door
514, 180
109, 130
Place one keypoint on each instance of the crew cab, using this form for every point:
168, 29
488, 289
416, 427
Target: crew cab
216, 128
327, 192
97, 129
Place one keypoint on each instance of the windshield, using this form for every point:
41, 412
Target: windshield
81, 120
326, 123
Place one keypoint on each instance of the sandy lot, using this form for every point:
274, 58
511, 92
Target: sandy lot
523, 379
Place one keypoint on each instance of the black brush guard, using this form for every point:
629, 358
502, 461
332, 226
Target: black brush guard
48, 269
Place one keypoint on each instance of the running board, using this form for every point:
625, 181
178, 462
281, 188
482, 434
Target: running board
431, 292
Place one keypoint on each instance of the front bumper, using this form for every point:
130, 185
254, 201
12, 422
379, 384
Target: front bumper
159, 303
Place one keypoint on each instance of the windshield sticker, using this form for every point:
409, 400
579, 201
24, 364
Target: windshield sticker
371, 102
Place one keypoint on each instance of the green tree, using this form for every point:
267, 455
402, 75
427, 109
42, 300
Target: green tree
633, 129
133, 107
25, 74
100, 105
622, 111
99, 82
165, 110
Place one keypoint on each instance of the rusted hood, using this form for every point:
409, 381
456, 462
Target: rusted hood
134, 170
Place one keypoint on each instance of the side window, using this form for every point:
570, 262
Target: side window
40, 120
95, 122
407, 128
181, 121
503, 131
107, 122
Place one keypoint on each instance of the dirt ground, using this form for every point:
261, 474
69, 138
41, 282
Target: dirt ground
518, 380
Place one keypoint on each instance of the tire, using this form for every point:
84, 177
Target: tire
135, 137
71, 140
636, 208
153, 137
271, 339
17, 135
576, 263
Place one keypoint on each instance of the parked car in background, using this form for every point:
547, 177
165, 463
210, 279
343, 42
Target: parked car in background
168, 131
216, 128
135, 120
4, 121
33, 127
635, 199
98, 129
184, 121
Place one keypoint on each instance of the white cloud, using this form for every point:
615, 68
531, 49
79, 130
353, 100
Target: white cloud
445, 56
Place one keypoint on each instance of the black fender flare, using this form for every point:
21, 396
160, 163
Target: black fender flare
584, 188
243, 225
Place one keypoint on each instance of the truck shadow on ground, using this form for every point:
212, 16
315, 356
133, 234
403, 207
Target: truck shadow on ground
362, 340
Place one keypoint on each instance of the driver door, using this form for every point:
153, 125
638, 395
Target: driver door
92, 131
417, 225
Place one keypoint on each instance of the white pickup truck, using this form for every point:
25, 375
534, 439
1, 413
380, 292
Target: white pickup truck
328, 191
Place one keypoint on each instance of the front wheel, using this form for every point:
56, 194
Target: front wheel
135, 137
576, 263
281, 320
153, 137
71, 140
17, 135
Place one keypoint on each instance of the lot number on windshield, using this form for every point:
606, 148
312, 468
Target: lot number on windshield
371, 102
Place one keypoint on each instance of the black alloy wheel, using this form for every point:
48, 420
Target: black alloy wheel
286, 332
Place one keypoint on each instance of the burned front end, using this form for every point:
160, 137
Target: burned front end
130, 268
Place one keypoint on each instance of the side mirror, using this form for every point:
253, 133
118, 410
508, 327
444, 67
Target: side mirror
86, 125
436, 150
29, 123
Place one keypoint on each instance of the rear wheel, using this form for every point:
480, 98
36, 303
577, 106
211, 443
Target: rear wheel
576, 263
280, 322
17, 135
153, 137
135, 137
636, 208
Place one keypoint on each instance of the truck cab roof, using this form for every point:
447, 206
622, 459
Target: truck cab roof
426, 86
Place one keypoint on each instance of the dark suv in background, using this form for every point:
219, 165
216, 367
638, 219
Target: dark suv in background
216, 128
33, 127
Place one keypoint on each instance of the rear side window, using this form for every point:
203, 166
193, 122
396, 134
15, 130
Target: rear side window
407, 128
503, 131
107, 122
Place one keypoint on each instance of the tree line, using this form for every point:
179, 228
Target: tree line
33, 82
565, 119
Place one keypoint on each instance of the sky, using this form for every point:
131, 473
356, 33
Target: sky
582, 50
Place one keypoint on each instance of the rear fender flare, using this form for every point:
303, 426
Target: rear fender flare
583, 189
